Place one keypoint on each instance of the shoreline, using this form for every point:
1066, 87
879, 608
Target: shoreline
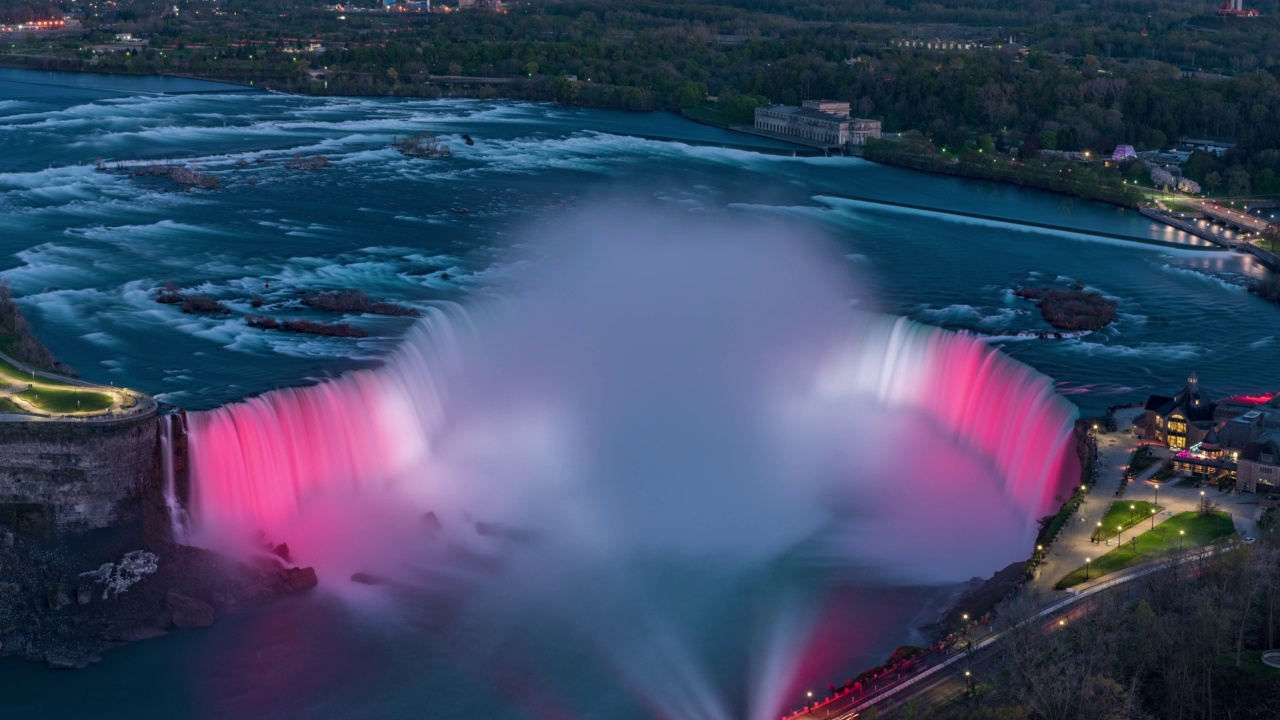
1029, 223
799, 151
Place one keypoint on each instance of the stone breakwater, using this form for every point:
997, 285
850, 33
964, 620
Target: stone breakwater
87, 557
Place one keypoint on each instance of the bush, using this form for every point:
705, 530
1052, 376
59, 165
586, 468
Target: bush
192, 304
23, 344
305, 326
353, 301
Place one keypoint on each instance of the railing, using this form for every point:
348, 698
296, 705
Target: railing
143, 405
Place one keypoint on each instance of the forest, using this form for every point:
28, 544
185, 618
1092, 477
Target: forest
1053, 74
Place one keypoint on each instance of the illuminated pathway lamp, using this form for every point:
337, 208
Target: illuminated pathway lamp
1086, 569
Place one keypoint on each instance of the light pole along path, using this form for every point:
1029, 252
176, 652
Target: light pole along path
1123, 577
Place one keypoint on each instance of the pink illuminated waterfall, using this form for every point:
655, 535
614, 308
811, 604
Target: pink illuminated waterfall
255, 463
258, 462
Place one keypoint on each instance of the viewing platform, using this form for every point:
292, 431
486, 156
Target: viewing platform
31, 395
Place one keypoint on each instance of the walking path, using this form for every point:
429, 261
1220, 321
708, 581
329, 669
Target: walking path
121, 403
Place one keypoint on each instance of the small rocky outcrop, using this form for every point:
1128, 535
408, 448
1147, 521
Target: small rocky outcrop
364, 578
315, 162
1072, 309
422, 145
432, 522
188, 612
191, 303
308, 327
346, 301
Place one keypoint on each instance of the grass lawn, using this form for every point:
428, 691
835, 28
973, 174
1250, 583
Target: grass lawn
707, 114
1125, 514
64, 400
1252, 666
9, 406
1142, 459
11, 372
1198, 531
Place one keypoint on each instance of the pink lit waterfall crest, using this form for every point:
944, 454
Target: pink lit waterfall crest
256, 463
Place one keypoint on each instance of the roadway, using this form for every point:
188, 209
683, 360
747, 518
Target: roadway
945, 680
1242, 220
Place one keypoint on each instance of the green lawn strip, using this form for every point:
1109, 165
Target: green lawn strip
1251, 665
67, 400
1120, 514
14, 376
1200, 530
708, 115
9, 406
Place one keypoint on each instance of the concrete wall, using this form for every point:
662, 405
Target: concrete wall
60, 478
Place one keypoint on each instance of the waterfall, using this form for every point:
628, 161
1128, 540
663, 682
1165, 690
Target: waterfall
178, 519
259, 460
670, 423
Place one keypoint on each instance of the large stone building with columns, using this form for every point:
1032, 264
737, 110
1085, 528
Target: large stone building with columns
823, 121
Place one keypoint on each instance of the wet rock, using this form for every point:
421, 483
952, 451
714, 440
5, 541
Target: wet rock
138, 633
188, 612
297, 579
61, 661
367, 579
59, 596
432, 522
505, 532
282, 551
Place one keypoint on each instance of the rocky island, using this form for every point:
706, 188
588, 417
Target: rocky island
1075, 308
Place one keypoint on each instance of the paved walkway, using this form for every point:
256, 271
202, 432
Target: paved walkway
125, 404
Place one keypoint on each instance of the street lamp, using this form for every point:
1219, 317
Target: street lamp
1153, 518
1086, 569
1119, 534
1131, 509
1181, 533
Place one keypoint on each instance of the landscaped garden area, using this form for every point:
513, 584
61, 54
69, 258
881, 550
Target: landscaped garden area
1122, 515
1183, 531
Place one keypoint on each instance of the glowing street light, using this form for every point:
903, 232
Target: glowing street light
1086, 568
1181, 534
1153, 518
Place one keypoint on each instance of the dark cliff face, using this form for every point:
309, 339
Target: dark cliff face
87, 555
69, 478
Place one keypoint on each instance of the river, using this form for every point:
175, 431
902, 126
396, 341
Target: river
85, 250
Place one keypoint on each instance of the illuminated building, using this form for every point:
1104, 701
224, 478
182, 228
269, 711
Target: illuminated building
1182, 420
824, 121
